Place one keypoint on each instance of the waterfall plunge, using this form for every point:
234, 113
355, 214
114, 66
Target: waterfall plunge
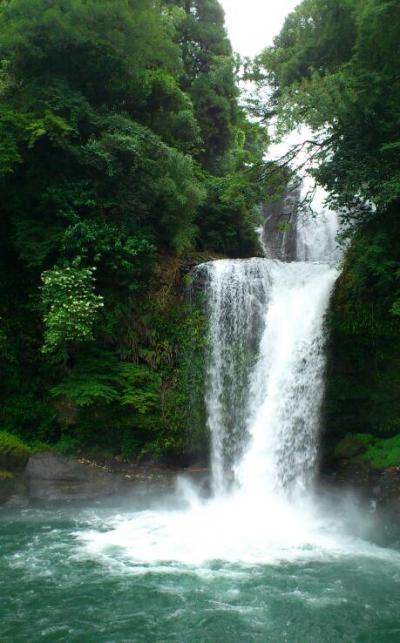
264, 417
264, 389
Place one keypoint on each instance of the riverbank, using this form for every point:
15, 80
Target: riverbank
52, 478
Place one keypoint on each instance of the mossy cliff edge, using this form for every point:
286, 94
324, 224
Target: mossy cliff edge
361, 413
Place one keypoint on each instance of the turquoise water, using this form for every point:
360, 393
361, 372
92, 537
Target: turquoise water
54, 587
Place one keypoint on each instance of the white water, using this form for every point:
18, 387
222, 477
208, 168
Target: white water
317, 234
287, 383
237, 299
317, 228
272, 312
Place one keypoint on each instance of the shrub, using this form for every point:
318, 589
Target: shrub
362, 447
14, 453
67, 445
353, 445
383, 454
39, 447
6, 475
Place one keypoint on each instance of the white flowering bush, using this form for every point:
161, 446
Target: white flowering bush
71, 306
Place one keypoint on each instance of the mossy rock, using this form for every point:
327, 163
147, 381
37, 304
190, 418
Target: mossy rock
354, 444
383, 454
7, 485
6, 476
14, 454
40, 447
363, 448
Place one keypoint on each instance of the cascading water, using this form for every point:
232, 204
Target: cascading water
237, 297
263, 558
264, 385
287, 382
266, 363
316, 235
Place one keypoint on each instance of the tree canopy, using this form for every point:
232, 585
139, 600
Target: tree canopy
333, 66
123, 149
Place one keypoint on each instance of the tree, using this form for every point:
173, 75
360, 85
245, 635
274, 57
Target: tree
209, 78
122, 147
333, 68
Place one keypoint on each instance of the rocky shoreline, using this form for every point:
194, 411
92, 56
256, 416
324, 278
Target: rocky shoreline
49, 478
52, 478
375, 491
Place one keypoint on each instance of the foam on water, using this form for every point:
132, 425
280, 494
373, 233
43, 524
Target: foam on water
234, 529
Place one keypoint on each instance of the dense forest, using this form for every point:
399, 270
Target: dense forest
125, 160
127, 157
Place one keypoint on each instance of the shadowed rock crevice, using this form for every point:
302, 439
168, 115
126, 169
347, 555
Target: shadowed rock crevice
279, 230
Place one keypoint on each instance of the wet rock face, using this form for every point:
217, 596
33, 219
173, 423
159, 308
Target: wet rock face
49, 466
377, 491
51, 477
14, 454
279, 236
7, 488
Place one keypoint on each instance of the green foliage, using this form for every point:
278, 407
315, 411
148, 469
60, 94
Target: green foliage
333, 67
155, 407
316, 38
396, 308
12, 445
370, 283
67, 445
131, 445
183, 430
353, 444
5, 475
71, 304
13, 452
91, 381
364, 448
140, 388
363, 371
103, 379
230, 217
15, 130
209, 77
40, 447
122, 143
383, 454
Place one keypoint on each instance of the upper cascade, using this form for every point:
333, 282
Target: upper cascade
291, 234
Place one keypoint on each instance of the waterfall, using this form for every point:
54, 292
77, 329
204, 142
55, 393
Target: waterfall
266, 363
264, 380
287, 382
316, 235
237, 297
264, 385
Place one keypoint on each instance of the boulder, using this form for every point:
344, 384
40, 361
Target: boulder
14, 453
55, 478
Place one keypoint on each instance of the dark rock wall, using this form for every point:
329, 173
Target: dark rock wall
279, 235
